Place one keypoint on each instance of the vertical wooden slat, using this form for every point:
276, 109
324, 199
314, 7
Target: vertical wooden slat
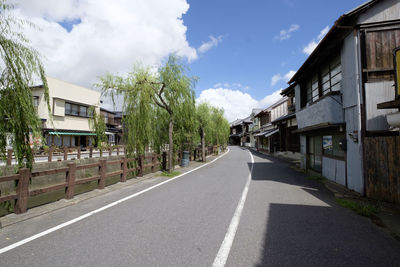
90, 152
21, 204
65, 153
164, 160
9, 157
70, 190
79, 152
102, 173
140, 166
371, 50
110, 151
397, 173
386, 54
391, 156
50, 155
124, 167
153, 162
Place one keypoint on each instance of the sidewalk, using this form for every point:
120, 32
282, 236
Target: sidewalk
388, 215
13, 218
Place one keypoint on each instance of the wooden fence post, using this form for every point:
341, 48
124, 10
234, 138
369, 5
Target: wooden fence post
21, 204
102, 173
90, 152
70, 191
124, 167
50, 155
65, 153
110, 151
9, 157
79, 152
153, 162
117, 150
101, 153
140, 166
164, 160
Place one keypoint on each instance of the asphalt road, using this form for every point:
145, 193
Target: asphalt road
286, 221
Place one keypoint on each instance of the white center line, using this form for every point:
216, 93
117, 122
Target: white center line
223, 253
55, 228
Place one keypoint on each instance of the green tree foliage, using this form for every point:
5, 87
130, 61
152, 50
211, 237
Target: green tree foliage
213, 128
159, 106
98, 126
20, 65
220, 127
203, 117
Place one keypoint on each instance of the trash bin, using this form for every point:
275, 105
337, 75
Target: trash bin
185, 158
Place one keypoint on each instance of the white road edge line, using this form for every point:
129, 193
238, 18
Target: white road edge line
55, 228
223, 252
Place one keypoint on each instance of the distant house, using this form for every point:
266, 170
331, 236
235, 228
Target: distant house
337, 91
254, 126
70, 107
113, 123
240, 134
289, 139
269, 137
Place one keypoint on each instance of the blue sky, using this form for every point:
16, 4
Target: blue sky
243, 51
250, 52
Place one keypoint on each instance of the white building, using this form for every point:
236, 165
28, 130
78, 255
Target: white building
70, 106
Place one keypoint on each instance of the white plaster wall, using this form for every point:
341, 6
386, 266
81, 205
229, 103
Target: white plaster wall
67, 91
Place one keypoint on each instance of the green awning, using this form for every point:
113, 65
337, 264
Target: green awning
70, 133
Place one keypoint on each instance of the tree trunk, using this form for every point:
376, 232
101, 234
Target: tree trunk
171, 145
203, 150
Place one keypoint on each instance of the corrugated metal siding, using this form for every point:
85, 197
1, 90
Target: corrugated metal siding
375, 93
334, 170
385, 10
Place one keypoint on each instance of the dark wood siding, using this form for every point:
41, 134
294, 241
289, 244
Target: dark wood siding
379, 46
382, 168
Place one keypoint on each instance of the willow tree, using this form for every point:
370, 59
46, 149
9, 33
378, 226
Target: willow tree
220, 126
153, 101
20, 65
99, 127
204, 122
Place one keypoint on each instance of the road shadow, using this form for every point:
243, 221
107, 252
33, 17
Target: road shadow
324, 235
301, 235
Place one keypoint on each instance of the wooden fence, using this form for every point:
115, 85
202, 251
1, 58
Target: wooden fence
382, 167
127, 165
22, 179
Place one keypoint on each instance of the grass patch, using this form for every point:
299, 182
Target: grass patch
363, 209
170, 174
315, 178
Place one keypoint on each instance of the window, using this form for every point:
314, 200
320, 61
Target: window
76, 110
331, 147
36, 102
83, 111
324, 82
315, 153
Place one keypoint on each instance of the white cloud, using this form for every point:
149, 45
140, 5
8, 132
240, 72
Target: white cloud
213, 42
309, 48
235, 103
234, 86
279, 77
108, 38
287, 33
